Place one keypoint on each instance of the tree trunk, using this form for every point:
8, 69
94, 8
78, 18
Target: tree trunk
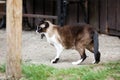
14, 35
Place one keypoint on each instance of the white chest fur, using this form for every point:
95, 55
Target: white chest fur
52, 39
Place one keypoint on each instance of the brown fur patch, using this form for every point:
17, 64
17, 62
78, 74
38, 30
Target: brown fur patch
71, 35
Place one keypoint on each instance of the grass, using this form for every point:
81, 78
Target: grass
90, 72
2, 68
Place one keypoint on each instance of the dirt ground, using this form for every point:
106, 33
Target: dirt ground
38, 51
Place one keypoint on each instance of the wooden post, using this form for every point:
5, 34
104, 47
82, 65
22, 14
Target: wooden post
14, 31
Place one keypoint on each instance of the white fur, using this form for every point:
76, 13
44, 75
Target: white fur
42, 26
77, 62
93, 62
57, 45
36, 31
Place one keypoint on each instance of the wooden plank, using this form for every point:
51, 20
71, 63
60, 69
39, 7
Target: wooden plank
59, 10
81, 12
14, 31
39, 8
40, 16
54, 10
118, 16
1, 9
103, 16
2, 13
112, 14
94, 13
71, 14
2, 2
114, 33
48, 10
35, 16
29, 5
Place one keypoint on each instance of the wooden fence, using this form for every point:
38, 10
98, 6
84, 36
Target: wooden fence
104, 15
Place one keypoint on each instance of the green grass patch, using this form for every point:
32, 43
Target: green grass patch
2, 68
114, 70
37, 72
88, 72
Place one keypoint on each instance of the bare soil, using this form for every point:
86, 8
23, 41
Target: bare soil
38, 51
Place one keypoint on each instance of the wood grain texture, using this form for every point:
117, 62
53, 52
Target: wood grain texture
118, 15
14, 31
103, 16
112, 6
94, 13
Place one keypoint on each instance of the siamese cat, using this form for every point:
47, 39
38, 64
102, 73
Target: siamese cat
78, 37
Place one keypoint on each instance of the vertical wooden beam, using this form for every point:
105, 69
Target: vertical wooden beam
59, 10
112, 14
118, 15
14, 30
94, 13
103, 16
